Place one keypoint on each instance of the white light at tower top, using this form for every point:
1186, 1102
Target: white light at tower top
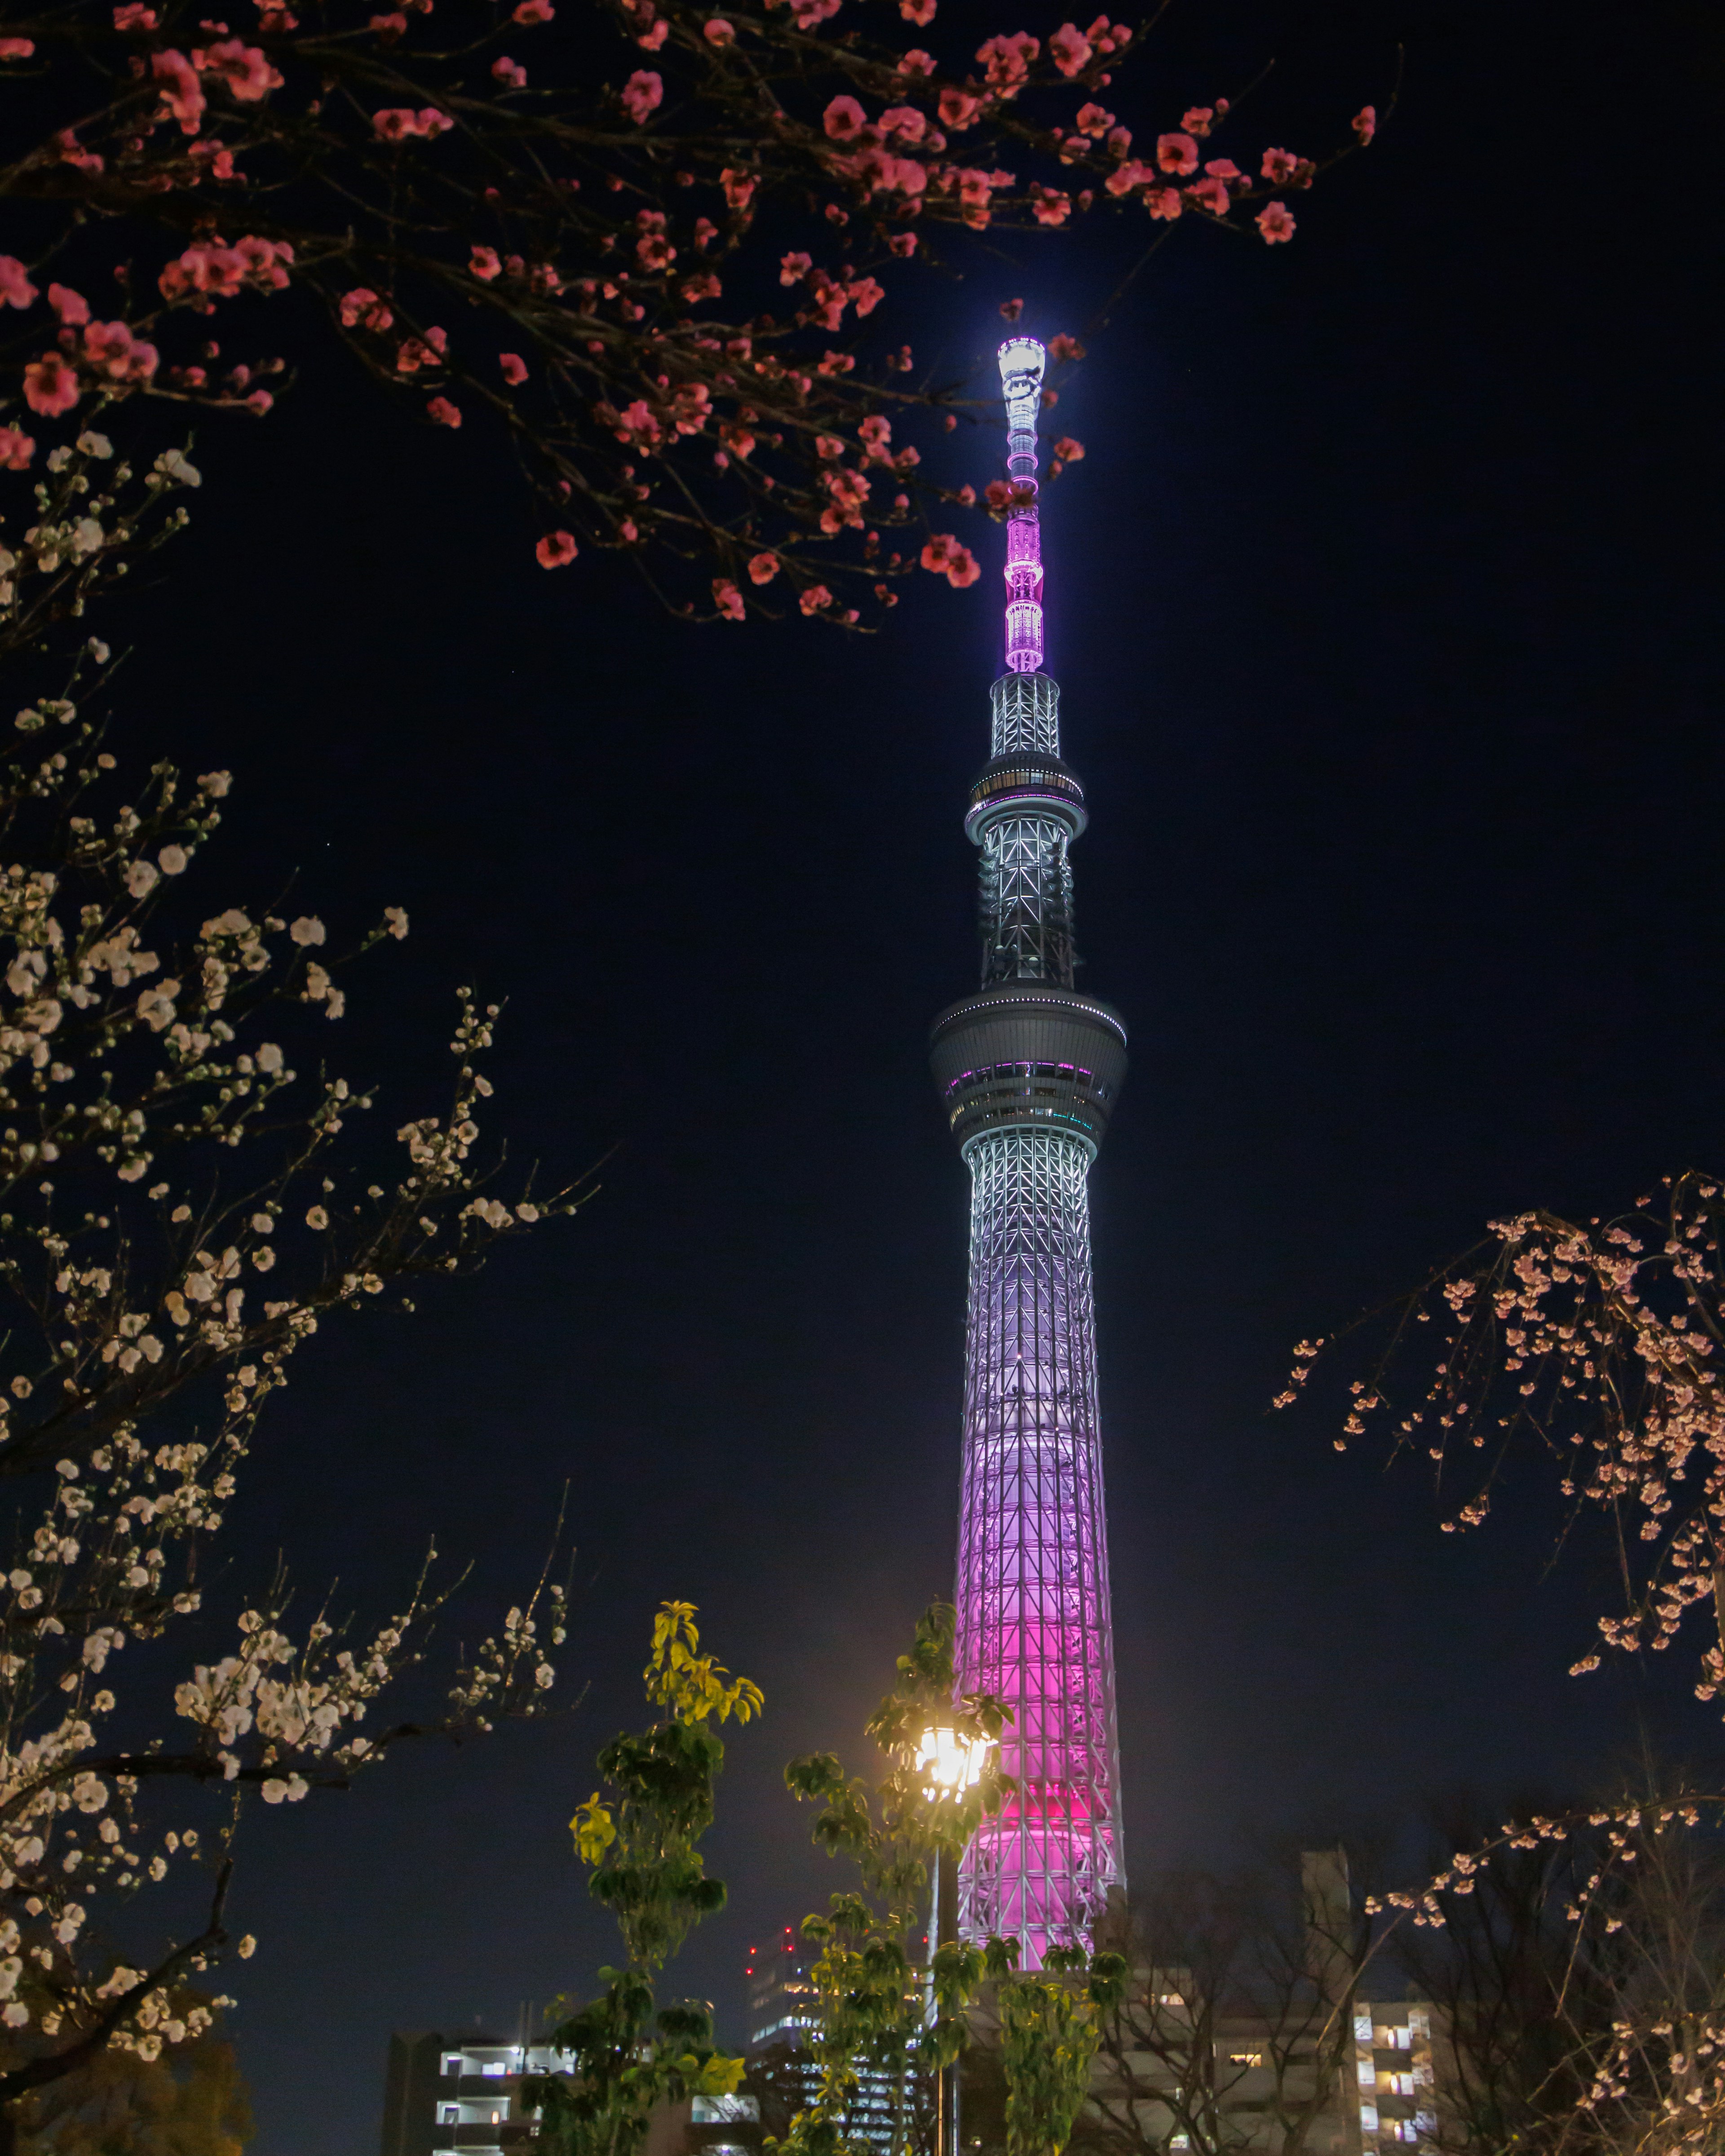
1022, 361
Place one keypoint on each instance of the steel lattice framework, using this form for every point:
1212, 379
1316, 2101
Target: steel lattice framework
1029, 1071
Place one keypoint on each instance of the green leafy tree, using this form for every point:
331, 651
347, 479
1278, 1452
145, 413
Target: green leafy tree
1051, 2025
191, 2102
627, 2053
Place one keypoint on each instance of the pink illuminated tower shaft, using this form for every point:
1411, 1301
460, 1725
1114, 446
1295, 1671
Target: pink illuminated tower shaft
1029, 1071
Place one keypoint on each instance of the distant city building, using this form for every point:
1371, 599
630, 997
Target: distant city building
459, 2095
783, 2072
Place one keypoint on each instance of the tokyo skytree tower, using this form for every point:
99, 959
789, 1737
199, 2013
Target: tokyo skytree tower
1028, 1071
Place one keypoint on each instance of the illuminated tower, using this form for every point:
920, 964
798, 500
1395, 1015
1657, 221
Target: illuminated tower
1028, 1071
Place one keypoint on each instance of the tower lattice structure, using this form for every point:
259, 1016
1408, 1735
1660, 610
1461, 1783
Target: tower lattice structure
1029, 1071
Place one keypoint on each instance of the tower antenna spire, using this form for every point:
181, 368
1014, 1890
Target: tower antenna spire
1028, 1071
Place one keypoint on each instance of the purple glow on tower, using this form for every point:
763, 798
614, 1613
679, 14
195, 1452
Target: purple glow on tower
1028, 1071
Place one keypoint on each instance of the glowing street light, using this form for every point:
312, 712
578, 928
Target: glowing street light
954, 1761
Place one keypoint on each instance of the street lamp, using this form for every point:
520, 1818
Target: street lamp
954, 1761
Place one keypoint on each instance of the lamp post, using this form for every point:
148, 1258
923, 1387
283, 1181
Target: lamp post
954, 1763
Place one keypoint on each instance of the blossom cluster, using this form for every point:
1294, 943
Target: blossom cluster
188, 1197
585, 264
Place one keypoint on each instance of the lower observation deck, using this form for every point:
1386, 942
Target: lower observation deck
1027, 1056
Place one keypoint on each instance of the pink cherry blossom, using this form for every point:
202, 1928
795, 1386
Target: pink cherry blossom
938, 553
1224, 168
998, 494
1164, 201
1125, 177
134, 15
739, 187
445, 414
16, 290
810, 12
182, 92
916, 62
1092, 119
1365, 122
843, 119
964, 568
1007, 61
1279, 165
50, 385
1198, 120
362, 306
1050, 206
865, 295
534, 11
514, 367
1068, 451
72, 307
718, 33
816, 597
484, 265
17, 49
1177, 153
17, 448
242, 67
1214, 195
1065, 347
510, 72
792, 269
907, 122
919, 12
763, 569
555, 549
1276, 222
728, 599
1070, 49
642, 94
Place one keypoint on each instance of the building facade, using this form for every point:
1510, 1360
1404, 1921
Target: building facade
459, 2095
1028, 1071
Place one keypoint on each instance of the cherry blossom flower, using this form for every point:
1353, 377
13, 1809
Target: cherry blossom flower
123, 357
728, 599
72, 307
642, 94
1050, 205
1365, 123
876, 432
792, 269
1092, 119
1065, 347
718, 33
707, 286
909, 123
362, 306
1177, 153
555, 549
534, 11
1125, 177
134, 15
1276, 222
510, 72
445, 414
1214, 195
1010, 309
1198, 121
938, 553
763, 569
810, 12
739, 187
816, 597
16, 290
916, 62
1164, 201
962, 569
514, 367
1070, 49
244, 68
919, 12
843, 119
17, 49
1224, 168
865, 295
484, 265
998, 494
1068, 451
50, 385
1006, 61
182, 92
17, 448
1279, 166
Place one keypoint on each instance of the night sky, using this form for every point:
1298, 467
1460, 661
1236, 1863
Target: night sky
1384, 606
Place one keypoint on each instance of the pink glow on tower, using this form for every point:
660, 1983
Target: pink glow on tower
1029, 1071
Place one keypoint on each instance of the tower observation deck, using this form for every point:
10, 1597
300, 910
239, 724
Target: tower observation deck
1027, 1071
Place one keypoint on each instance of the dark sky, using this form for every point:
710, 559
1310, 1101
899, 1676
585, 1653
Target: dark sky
1385, 610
